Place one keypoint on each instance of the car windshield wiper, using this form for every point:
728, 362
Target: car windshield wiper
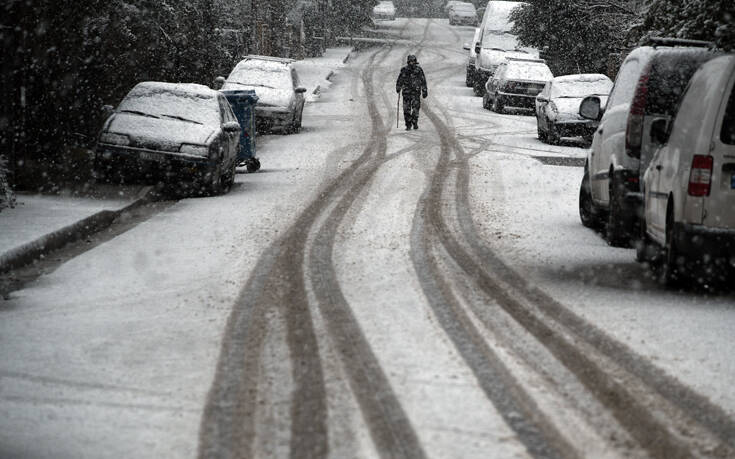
136, 112
176, 117
252, 84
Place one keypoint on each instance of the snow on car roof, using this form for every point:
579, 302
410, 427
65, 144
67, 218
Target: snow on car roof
181, 88
581, 77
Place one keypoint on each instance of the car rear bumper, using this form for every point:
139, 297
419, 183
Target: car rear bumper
697, 242
517, 100
573, 128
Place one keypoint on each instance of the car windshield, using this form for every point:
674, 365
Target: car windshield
581, 88
171, 103
268, 76
528, 71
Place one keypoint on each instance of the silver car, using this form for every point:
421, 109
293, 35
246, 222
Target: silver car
280, 95
557, 106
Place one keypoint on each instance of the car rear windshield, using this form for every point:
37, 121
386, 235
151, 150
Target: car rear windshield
528, 71
270, 76
727, 135
169, 103
669, 76
578, 89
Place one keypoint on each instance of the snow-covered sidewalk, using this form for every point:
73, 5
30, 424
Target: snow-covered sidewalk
36, 216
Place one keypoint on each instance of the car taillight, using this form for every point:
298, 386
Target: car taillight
634, 131
700, 177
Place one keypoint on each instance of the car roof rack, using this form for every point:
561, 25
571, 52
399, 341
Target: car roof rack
525, 59
665, 41
283, 60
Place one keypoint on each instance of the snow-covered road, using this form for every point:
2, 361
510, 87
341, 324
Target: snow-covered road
371, 293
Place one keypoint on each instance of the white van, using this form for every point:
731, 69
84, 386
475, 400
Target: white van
495, 39
689, 187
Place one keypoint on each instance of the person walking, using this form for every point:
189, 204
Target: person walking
412, 82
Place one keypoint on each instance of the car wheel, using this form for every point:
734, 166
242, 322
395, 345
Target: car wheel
540, 132
478, 87
231, 177
301, 118
589, 213
646, 251
216, 182
498, 104
617, 233
672, 266
486, 102
468, 80
552, 135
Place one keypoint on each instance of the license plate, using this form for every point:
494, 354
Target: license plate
150, 156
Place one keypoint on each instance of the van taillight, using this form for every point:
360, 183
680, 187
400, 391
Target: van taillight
634, 131
700, 178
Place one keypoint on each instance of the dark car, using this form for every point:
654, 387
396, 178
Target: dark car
646, 94
516, 83
183, 134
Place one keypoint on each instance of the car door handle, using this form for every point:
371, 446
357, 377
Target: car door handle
658, 167
599, 131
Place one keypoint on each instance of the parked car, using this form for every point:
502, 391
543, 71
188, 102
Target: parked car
494, 36
448, 5
471, 60
180, 133
280, 95
647, 89
689, 187
557, 106
516, 83
463, 14
385, 10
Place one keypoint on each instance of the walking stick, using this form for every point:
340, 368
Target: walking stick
398, 109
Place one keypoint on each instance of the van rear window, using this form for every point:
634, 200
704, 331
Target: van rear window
727, 135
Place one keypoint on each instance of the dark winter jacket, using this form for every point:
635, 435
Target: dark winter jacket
412, 80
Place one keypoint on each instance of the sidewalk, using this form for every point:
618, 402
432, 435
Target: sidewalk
42, 223
38, 219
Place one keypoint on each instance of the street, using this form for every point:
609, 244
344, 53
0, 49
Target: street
371, 292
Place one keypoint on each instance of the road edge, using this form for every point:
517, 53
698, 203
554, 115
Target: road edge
31, 251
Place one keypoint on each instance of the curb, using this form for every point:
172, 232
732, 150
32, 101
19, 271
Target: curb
43, 246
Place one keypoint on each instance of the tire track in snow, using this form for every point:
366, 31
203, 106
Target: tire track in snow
656, 409
227, 427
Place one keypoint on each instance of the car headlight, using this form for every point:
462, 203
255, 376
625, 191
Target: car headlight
196, 150
114, 139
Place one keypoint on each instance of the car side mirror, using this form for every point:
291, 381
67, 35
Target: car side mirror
218, 83
300, 90
466, 47
660, 131
231, 126
107, 110
590, 108
478, 49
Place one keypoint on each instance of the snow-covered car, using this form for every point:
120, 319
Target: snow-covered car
647, 88
557, 106
516, 83
184, 134
471, 60
463, 14
689, 187
448, 5
495, 35
384, 10
280, 96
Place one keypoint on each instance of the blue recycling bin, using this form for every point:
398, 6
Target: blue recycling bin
243, 105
